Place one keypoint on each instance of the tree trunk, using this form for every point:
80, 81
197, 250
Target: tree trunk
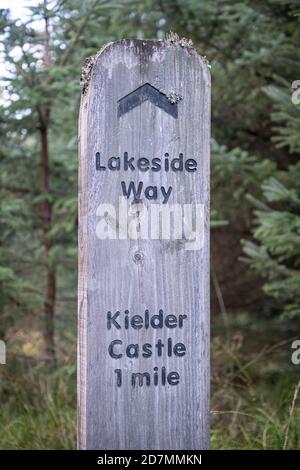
46, 217
44, 111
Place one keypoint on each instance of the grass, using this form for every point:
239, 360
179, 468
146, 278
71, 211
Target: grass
255, 394
40, 410
255, 388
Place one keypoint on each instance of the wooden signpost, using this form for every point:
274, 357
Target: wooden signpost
143, 350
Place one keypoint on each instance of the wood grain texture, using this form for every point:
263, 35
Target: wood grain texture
168, 277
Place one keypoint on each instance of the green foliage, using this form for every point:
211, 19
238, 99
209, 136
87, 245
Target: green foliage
43, 54
276, 253
236, 172
286, 115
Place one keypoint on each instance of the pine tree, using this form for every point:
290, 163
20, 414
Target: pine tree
44, 54
275, 251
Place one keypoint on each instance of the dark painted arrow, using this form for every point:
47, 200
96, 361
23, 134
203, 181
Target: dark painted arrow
144, 93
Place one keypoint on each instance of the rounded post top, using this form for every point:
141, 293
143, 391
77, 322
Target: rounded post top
145, 50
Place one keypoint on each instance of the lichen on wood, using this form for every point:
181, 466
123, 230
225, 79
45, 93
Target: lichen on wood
86, 73
174, 38
174, 97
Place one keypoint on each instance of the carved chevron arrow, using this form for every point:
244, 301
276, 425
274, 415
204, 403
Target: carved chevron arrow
144, 93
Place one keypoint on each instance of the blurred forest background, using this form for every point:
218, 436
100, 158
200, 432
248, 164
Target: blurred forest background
254, 51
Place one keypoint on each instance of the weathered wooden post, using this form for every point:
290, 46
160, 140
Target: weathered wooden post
144, 248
